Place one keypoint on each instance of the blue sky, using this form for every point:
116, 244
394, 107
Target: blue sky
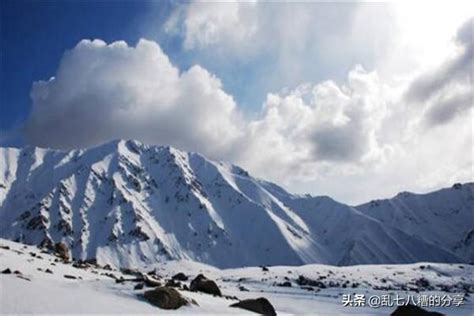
35, 34
310, 95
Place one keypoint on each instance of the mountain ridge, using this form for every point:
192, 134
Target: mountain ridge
126, 203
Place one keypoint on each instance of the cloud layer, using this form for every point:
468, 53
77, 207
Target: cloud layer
446, 91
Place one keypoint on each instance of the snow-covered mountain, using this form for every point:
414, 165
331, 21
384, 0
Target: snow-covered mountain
127, 203
444, 218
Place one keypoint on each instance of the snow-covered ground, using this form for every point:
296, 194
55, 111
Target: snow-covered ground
37, 291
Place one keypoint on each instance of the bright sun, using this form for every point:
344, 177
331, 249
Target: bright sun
427, 28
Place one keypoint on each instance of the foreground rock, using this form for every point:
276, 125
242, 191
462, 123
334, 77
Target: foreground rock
62, 251
165, 297
203, 284
411, 310
180, 277
150, 281
260, 305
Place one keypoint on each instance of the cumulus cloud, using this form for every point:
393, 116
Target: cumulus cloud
206, 23
102, 92
318, 125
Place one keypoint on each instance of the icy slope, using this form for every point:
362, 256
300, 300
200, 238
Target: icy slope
445, 218
127, 204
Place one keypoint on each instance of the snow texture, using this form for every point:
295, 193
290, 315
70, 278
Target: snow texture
39, 286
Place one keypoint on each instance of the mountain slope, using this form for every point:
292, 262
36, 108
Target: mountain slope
127, 204
444, 218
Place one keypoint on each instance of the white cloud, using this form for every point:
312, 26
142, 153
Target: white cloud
446, 90
320, 124
103, 92
207, 23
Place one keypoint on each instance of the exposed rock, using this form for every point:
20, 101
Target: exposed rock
260, 305
230, 297
139, 286
46, 243
264, 268
20, 276
203, 284
68, 276
107, 267
243, 288
7, 271
173, 283
48, 271
307, 288
62, 251
412, 310
80, 265
91, 261
422, 283
150, 281
37, 223
133, 272
180, 277
110, 275
302, 280
120, 280
165, 297
284, 284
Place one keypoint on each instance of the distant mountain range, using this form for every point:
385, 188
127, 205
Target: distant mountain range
129, 204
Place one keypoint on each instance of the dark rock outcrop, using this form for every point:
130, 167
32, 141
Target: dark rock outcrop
203, 284
173, 283
180, 277
150, 281
412, 310
260, 305
284, 284
304, 281
62, 251
133, 272
165, 297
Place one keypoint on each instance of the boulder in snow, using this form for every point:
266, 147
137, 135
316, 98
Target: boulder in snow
260, 305
203, 284
180, 277
62, 251
165, 297
411, 310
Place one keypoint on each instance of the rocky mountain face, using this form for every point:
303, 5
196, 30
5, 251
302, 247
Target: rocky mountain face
130, 204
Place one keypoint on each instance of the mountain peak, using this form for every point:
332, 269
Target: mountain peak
127, 203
